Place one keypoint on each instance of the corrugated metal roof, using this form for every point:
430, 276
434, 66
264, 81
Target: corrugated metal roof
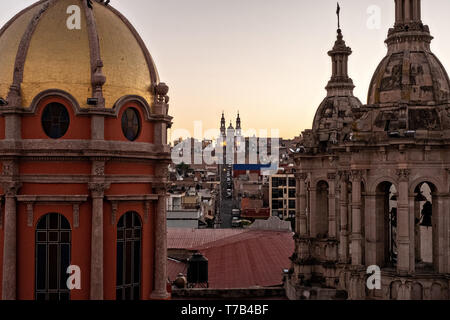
179, 238
247, 259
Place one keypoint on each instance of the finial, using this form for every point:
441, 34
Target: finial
338, 12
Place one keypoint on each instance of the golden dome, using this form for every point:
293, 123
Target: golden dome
40, 52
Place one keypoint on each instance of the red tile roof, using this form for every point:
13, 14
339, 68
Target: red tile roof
192, 238
246, 259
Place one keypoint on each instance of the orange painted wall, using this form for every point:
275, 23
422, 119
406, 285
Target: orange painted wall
113, 126
2, 127
54, 167
110, 256
129, 188
26, 248
62, 189
79, 128
132, 168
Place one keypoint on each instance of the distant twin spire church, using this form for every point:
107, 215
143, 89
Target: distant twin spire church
231, 130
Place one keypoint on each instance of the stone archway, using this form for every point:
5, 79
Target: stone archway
321, 210
386, 224
425, 214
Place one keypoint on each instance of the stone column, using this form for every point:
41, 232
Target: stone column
356, 218
403, 222
407, 11
439, 240
10, 242
412, 231
417, 240
371, 228
313, 211
343, 234
97, 193
301, 219
160, 280
447, 232
332, 228
397, 11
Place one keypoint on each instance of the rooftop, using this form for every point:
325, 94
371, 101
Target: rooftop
238, 258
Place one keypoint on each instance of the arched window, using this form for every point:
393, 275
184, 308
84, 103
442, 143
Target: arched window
53, 247
321, 212
425, 235
131, 124
129, 238
55, 120
386, 225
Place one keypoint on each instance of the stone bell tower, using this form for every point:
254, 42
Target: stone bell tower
407, 11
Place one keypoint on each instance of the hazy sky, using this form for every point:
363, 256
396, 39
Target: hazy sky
266, 58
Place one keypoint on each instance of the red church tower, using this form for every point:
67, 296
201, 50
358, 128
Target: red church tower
84, 156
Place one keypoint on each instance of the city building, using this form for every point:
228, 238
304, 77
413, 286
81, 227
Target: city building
373, 180
84, 157
191, 209
242, 263
282, 195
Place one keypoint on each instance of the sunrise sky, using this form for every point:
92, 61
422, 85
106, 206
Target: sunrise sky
266, 58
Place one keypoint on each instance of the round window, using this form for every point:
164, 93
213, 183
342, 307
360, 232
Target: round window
55, 120
131, 124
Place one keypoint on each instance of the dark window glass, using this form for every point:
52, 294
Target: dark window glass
275, 204
131, 126
275, 182
52, 257
291, 204
292, 182
55, 120
291, 193
129, 237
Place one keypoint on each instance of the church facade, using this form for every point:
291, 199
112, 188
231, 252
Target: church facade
373, 180
84, 156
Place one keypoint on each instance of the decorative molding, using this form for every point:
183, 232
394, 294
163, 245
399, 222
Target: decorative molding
76, 215
10, 188
146, 211
10, 168
344, 175
49, 199
62, 179
14, 95
302, 176
132, 198
47, 149
356, 175
403, 175
125, 100
331, 176
98, 168
30, 214
114, 208
98, 189
98, 79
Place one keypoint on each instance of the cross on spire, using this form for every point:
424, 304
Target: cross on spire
338, 13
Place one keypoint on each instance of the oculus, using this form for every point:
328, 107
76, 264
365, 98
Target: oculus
55, 120
131, 126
